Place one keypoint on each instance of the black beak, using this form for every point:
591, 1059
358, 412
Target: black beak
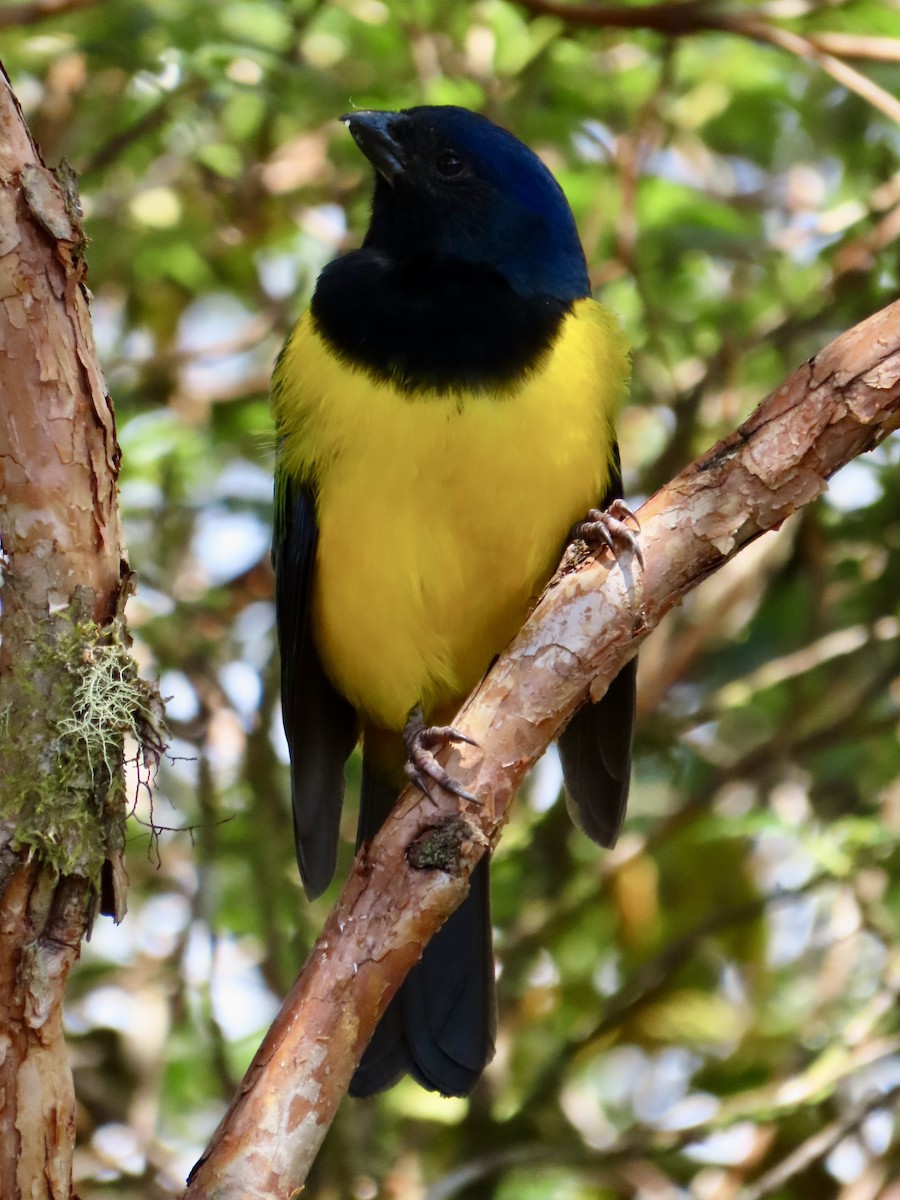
371, 131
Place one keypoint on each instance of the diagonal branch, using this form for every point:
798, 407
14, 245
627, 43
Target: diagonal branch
589, 622
684, 18
814, 49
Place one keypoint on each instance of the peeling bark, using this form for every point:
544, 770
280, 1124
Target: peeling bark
590, 621
63, 585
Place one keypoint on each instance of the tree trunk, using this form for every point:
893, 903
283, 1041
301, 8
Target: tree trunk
68, 688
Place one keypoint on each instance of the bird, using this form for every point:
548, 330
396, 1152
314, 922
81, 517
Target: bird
445, 417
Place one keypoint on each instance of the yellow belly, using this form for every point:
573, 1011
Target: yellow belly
441, 517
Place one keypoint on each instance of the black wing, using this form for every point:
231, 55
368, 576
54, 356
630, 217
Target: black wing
595, 747
319, 723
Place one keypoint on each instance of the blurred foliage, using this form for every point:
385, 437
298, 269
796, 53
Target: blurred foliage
710, 1010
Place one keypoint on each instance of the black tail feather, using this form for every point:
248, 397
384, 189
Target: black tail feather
440, 1026
595, 749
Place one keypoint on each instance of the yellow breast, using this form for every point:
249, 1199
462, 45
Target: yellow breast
441, 517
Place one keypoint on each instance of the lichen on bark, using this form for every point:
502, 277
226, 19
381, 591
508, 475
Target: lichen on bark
72, 697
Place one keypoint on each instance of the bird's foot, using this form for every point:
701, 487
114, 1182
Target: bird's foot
610, 528
422, 767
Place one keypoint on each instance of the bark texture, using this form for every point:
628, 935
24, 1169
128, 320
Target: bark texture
591, 620
63, 583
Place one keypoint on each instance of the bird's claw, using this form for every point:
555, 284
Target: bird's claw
421, 741
609, 528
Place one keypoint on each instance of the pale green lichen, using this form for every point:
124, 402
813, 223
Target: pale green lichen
109, 703
68, 706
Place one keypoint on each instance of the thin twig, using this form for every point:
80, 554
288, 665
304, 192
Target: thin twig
840, 71
819, 1145
704, 16
112, 149
653, 976
651, 1144
857, 45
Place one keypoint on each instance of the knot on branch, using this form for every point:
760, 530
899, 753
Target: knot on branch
442, 847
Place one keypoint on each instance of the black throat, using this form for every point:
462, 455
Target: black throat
425, 327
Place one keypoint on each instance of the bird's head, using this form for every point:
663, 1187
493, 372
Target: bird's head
452, 186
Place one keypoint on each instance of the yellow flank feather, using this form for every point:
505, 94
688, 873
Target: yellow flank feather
442, 516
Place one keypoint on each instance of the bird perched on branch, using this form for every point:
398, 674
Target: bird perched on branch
445, 415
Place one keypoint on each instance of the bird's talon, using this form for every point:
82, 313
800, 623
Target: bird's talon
610, 529
421, 742
440, 735
417, 779
620, 509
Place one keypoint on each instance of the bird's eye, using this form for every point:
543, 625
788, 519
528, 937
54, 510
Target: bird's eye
449, 164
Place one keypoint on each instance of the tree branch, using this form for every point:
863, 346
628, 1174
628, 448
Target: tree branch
820, 1144
590, 621
676, 19
686, 17
35, 11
